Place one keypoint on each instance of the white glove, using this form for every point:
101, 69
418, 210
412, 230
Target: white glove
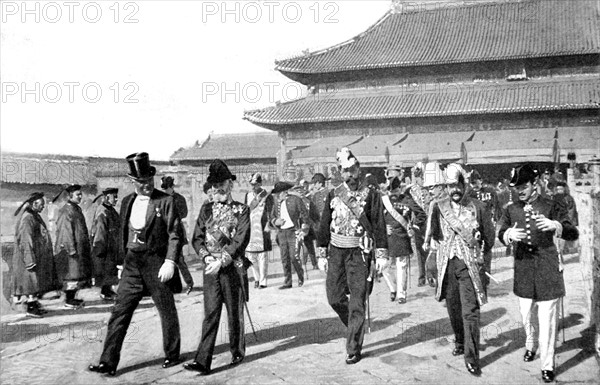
119, 271
213, 267
388, 229
322, 263
514, 235
381, 264
166, 270
546, 224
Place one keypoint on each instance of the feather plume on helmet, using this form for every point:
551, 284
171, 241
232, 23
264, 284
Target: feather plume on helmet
346, 159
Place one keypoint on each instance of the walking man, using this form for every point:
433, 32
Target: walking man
220, 237
530, 225
168, 186
72, 248
423, 198
150, 232
34, 272
352, 227
290, 217
465, 232
106, 253
260, 203
403, 216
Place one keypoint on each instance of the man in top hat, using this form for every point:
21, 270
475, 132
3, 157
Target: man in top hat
290, 217
403, 217
422, 197
106, 248
221, 235
352, 227
260, 203
168, 186
465, 232
34, 272
530, 225
72, 248
318, 195
485, 194
150, 231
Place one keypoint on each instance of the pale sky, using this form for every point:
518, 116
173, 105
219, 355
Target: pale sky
179, 57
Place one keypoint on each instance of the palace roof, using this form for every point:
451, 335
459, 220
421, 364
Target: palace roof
232, 146
460, 34
393, 102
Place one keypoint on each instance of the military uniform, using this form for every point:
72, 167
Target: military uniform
401, 226
347, 217
465, 233
489, 197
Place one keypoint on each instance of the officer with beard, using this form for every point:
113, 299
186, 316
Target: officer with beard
465, 232
352, 226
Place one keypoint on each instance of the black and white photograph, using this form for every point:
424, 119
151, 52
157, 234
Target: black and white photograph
300, 192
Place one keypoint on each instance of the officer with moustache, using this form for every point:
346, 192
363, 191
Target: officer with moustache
220, 237
464, 230
150, 241
530, 225
352, 227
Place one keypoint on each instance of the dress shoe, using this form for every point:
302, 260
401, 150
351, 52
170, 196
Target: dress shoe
285, 287
256, 284
353, 358
529, 355
474, 369
195, 366
548, 375
170, 362
236, 360
421, 282
40, 308
300, 284
458, 351
401, 301
34, 313
103, 368
74, 303
392, 296
432, 282
262, 287
106, 297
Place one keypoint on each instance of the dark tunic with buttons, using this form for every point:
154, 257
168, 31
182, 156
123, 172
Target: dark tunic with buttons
537, 272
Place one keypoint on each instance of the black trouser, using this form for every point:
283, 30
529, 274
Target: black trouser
183, 268
463, 309
309, 248
286, 239
422, 255
140, 275
222, 288
347, 272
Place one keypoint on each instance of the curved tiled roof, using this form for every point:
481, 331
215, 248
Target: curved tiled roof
469, 33
233, 146
452, 99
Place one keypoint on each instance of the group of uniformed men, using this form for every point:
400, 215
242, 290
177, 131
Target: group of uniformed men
352, 232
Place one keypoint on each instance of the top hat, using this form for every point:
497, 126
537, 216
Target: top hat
522, 174
32, 198
139, 166
218, 172
281, 187
256, 178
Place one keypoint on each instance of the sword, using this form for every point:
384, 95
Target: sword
562, 311
243, 289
